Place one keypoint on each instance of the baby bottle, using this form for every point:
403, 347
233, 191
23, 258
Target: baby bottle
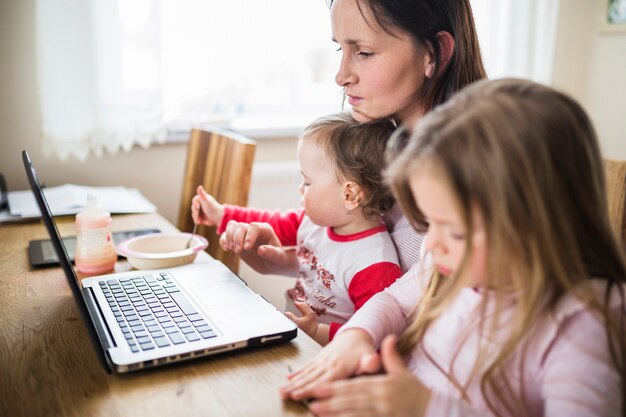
95, 250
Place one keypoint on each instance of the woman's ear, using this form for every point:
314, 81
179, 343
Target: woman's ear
446, 47
352, 195
447, 44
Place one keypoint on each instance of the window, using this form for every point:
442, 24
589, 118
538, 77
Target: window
113, 74
118, 73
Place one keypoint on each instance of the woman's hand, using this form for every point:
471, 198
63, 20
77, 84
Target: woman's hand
350, 353
259, 247
397, 393
205, 209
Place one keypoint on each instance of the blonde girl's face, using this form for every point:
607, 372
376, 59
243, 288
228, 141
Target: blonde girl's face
380, 72
321, 191
446, 235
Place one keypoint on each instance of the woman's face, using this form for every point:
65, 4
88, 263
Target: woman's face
380, 72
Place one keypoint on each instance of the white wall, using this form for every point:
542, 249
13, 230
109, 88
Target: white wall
590, 65
157, 171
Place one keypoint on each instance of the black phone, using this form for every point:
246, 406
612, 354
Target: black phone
41, 252
4, 201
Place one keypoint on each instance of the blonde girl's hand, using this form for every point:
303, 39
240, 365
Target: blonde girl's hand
205, 209
350, 353
259, 247
397, 393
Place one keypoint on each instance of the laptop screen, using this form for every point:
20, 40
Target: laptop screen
46, 214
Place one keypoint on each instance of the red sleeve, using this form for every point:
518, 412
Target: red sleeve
368, 282
284, 224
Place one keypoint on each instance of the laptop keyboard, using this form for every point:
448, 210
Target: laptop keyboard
153, 313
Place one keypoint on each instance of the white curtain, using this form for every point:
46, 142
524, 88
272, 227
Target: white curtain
113, 74
118, 73
517, 38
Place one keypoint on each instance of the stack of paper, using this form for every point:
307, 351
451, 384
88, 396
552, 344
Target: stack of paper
69, 199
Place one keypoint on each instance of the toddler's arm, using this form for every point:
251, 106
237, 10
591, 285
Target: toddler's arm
285, 224
258, 237
259, 247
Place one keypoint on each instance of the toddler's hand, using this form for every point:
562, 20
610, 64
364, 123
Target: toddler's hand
259, 247
205, 209
308, 321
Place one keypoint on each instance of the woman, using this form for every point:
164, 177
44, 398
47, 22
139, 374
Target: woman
400, 59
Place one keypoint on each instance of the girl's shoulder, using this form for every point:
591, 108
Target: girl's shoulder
595, 293
578, 320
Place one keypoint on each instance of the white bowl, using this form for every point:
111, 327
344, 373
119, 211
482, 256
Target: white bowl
161, 250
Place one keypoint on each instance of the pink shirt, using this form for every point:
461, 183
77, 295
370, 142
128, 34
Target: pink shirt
568, 370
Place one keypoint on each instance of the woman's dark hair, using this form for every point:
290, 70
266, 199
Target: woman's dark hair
423, 20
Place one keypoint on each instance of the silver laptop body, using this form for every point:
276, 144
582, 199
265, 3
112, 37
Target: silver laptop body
204, 303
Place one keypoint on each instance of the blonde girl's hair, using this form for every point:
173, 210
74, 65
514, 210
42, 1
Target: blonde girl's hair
357, 151
527, 159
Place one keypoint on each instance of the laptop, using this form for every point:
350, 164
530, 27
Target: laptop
146, 318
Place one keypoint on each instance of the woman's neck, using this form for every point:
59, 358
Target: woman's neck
409, 118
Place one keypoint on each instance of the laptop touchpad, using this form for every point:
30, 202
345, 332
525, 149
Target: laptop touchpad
222, 294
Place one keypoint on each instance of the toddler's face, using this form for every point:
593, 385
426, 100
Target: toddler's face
446, 236
321, 191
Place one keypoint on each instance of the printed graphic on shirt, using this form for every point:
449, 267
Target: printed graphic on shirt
297, 292
308, 258
313, 282
318, 310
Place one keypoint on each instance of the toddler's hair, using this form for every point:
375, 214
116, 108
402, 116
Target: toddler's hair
357, 151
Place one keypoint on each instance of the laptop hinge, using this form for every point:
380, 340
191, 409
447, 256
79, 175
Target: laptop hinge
102, 329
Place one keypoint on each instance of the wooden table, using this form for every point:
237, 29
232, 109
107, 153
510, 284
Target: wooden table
48, 366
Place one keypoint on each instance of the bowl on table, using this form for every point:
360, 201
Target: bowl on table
161, 250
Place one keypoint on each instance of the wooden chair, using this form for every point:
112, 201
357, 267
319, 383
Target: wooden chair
615, 172
222, 162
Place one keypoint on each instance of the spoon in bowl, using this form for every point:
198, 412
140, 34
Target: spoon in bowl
193, 233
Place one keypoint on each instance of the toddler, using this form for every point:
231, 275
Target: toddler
345, 254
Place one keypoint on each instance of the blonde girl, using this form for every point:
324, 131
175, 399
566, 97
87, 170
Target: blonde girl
517, 307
